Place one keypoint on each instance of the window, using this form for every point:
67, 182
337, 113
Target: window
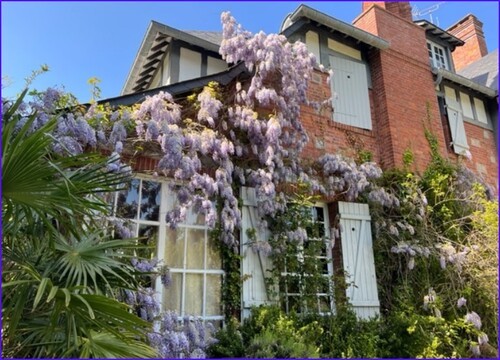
193, 259
349, 86
437, 55
300, 291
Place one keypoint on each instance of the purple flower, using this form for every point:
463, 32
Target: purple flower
474, 319
461, 302
165, 277
482, 339
475, 350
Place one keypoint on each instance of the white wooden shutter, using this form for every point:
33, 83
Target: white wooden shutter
456, 122
254, 266
351, 103
357, 255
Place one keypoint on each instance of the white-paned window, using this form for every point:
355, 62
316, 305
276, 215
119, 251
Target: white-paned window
437, 55
315, 253
466, 105
192, 257
349, 86
480, 111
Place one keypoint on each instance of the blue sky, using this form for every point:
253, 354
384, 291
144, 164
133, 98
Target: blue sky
80, 40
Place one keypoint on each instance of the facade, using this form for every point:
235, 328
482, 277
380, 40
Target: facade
393, 79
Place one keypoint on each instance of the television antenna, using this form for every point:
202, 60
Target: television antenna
416, 12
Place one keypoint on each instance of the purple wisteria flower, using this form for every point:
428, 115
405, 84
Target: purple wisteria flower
474, 319
461, 302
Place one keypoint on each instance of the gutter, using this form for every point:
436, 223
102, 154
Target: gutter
335, 24
458, 79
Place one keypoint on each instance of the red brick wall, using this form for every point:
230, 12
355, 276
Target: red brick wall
403, 89
470, 30
399, 8
327, 136
484, 156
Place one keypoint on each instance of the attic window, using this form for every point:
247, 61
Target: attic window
437, 56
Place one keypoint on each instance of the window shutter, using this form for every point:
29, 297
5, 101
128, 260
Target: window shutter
349, 85
357, 255
254, 266
456, 122
458, 136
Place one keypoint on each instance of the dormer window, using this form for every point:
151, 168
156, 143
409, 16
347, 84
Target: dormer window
437, 55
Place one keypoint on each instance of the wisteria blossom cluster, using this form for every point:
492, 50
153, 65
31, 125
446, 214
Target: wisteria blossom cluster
449, 254
411, 251
254, 140
188, 338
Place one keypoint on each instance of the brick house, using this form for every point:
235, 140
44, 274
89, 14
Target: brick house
393, 77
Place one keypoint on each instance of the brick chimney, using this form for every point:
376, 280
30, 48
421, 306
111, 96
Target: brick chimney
402, 113
399, 8
469, 30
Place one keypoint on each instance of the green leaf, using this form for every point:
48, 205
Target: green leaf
40, 291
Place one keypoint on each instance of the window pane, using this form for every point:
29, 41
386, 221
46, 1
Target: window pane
480, 111
172, 295
127, 201
213, 305
213, 255
196, 249
466, 105
150, 200
195, 218
149, 235
174, 248
194, 295
325, 304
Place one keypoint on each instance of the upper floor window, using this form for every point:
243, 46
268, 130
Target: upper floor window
437, 55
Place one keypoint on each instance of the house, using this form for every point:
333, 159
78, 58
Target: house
393, 79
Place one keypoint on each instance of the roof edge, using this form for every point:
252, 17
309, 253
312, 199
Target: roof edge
223, 77
458, 79
153, 29
335, 24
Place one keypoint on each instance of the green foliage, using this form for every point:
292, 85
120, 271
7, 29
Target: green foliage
232, 282
443, 237
346, 336
269, 333
364, 156
229, 342
409, 334
408, 158
59, 273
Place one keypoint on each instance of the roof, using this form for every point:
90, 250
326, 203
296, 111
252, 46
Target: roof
463, 81
154, 46
304, 12
215, 37
429, 27
183, 87
483, 71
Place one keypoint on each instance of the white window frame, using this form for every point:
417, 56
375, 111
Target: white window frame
437, 55
167, 199
328, 250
